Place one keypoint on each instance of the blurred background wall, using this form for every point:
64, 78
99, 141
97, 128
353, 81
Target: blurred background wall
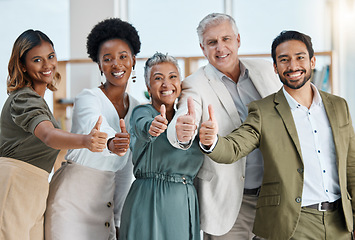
170, 26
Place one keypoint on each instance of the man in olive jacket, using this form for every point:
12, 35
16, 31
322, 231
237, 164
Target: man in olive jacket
308, 144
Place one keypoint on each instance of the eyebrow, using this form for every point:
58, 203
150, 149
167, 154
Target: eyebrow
41, 57
108, 54
297, 54
158, 73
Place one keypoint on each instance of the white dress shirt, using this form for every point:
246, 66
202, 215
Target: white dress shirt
88, 106
321, 181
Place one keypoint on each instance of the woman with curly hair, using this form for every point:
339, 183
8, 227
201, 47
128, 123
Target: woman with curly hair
87, 193
30, 137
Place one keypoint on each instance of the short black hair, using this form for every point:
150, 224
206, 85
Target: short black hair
291, 35
112, 28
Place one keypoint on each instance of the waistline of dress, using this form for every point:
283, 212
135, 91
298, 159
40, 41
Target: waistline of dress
177, 178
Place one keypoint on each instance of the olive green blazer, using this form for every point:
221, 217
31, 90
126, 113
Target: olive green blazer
271, 128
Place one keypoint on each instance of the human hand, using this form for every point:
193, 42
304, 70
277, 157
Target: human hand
96, 140
159, 124
120, 143
209, 129
185, 124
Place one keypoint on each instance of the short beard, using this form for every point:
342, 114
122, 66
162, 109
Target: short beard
285, 82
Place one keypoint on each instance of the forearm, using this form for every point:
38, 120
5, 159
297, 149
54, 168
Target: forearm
59, 139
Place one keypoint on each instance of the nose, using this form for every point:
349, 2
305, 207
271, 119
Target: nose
114, 62
166, 82
219, 46
293, 64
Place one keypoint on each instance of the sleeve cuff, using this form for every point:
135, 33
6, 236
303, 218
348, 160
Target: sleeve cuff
207, 149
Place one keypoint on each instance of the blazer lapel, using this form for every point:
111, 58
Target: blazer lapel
264, 85
333, 121
223, 95
282, 107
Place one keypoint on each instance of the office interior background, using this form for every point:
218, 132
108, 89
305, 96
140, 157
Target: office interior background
169, 26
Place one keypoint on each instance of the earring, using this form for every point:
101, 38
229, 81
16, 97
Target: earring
102, 73
133, 73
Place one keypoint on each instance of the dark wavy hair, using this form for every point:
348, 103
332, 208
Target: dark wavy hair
25, 42
291, 35
112, 28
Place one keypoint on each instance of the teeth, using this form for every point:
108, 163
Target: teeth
164, 93
222, 56
118, 74
47, 72
296, 74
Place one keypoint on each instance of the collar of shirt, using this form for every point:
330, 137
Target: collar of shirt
244, 73
317, 100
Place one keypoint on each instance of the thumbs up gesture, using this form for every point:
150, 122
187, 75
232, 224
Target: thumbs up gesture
159, 124
209, 129
96, 140
120, 143
185, 124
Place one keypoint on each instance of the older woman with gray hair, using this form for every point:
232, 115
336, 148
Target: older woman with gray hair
162, 202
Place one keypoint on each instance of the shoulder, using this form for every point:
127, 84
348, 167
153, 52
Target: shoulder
143, 108
200, 77
256, 63
133, 102
336, 100
89, 93
26, 97
25, 93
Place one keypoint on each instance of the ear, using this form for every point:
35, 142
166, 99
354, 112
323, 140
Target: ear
134, 61
238, 40
23, 67
313, 62
150, 94
275, 68
203, 49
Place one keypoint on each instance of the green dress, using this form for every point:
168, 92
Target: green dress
162, 202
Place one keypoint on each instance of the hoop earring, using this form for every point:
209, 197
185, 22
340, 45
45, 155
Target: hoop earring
133, 73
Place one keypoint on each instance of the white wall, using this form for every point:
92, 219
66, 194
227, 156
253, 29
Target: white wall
170, 26
16, 16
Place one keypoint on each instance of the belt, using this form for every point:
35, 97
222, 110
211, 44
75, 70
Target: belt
177, 178
254, 191
325, 206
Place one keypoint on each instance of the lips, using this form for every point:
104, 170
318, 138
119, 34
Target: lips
222, 56
167, 93
293, 75
118, 74
47, 73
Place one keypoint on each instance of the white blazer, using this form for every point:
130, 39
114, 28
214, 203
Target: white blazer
219, 186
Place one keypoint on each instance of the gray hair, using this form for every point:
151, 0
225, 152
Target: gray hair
214, 19
158, 58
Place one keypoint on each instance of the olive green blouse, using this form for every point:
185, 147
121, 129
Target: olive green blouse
23, 110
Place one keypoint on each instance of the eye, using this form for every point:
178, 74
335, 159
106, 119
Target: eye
211, 42
157, 78
173, 76
51, 56
226, 38
107, 59
37, 60
283, 60
123, 57
300, 57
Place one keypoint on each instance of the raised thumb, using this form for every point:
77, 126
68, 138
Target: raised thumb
123, 126
163, 111
98, 123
